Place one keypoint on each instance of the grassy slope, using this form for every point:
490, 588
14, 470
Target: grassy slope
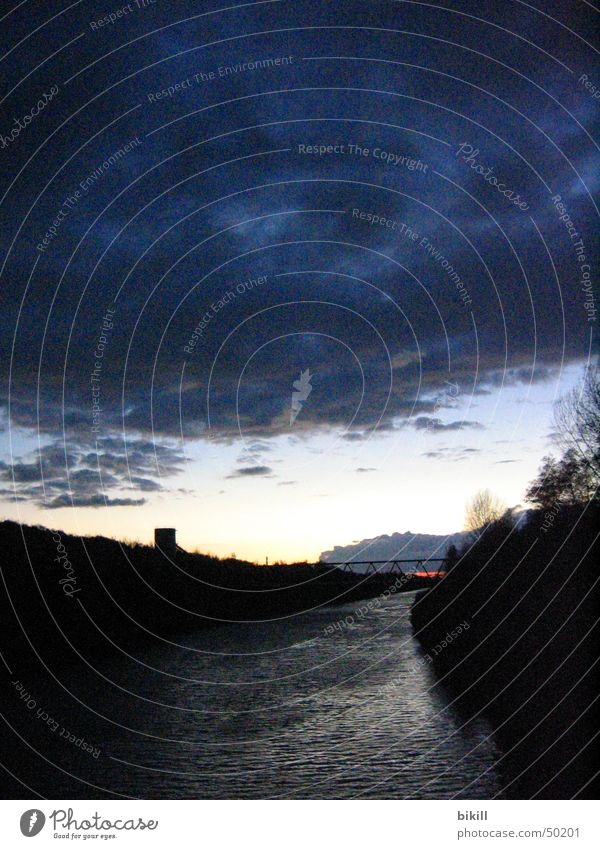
527, 658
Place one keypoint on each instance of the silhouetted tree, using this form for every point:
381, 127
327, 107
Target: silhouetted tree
577, 419
483, 509
563, 481
574, 478
451, 557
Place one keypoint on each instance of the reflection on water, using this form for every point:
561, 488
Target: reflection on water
280, 709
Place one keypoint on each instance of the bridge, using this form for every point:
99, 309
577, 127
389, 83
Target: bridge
420, 568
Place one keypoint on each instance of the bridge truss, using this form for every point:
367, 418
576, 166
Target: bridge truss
421, 568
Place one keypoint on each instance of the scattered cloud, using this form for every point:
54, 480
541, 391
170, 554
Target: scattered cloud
92, 501
405, 358
354, 436
251, 472
453, 455
437, 425
93, 474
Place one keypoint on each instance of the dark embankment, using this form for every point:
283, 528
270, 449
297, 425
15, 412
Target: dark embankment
526, 660
97, 596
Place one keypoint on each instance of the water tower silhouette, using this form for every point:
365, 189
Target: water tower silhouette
165, 540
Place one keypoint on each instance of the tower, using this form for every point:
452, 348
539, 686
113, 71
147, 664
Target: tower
165, 540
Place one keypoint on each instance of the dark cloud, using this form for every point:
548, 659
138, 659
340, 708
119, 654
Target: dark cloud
21, 472
514, 376
437, 425
54, 478
148, 485
216, 197
92, 501
7, 494
251, 471
454, 455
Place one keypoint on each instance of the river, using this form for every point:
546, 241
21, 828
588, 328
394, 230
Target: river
283, 709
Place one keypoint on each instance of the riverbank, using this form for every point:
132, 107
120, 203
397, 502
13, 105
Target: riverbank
527, 659
65, 595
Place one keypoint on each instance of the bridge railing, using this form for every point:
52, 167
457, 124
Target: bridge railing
395, 566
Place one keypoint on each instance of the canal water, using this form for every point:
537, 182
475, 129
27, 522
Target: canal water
334, 704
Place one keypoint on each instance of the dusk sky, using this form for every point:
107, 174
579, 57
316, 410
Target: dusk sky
286, 275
